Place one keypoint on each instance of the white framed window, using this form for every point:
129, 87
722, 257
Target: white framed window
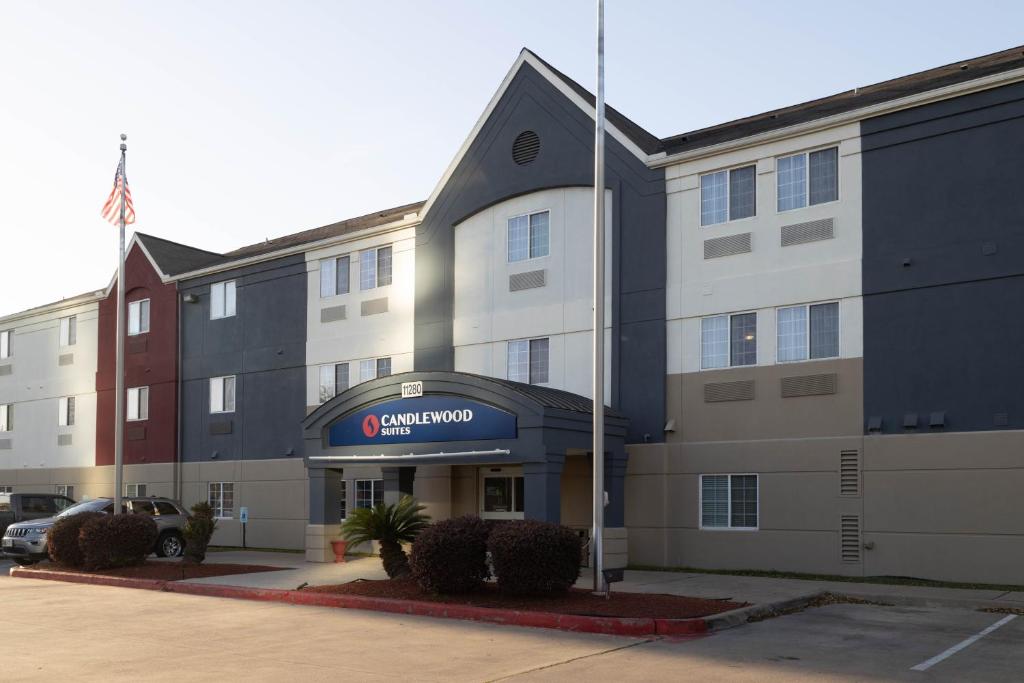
135, 490
369, 492
729, 501
528, 360
138, 317
68, 330
728, 195
64, 490
222, 300
222, 394
333, 380
808, 332
807, 178
138, 403
529, 236
6, 489
728, 341
6, 417
222, 499
66, 411
375, 268
373, 368
334, 275
343, 499
5, 344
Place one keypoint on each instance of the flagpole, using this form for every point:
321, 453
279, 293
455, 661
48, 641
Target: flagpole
597, 533
119, 391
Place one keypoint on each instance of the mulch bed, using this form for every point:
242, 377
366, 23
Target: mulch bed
166, 571
576, 601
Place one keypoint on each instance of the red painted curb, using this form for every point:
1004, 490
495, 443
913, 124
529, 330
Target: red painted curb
577, 623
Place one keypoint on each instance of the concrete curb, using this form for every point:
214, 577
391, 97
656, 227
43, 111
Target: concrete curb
618, 626
738, 617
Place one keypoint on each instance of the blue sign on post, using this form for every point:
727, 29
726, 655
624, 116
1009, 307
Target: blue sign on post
423, 420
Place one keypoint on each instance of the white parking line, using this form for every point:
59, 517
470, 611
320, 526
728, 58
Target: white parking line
925, 665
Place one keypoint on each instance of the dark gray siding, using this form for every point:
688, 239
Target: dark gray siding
943, 265
487, 175
264, 346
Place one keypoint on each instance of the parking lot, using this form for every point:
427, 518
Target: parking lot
115, 633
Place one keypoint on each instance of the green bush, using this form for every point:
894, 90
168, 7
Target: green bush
198, 531
117, 541
450, 556
391, 525
62, 539
535, 558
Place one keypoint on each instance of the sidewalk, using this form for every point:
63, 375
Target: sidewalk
750, 589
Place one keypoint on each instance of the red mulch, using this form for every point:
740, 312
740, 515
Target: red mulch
166, 571
576, 601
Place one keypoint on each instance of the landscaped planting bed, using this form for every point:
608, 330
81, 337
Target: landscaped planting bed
576, 601
162, 571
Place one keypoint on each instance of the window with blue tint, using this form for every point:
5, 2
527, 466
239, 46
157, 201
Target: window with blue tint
714, 342
792, 182
368, 269
823, 170
369, 492
539, 234
792, 333
808, 178
808, 332
714, 201
529, 236
728, 501
528, 360
328, 277
384, 266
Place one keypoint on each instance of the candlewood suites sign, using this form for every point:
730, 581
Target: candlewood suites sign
423, 420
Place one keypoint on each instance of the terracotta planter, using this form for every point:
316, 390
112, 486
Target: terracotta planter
339, 548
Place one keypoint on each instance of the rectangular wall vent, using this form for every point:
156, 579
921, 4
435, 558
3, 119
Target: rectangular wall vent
66, 359
374, 306
332, 313
6, 369
716, 392
727, 246
849, 473
220, 427
63, 439
528, 280
849, 539
135, 433
136, 345
812, 231
809, 385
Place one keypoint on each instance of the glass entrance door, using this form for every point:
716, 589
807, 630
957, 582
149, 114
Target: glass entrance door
501, 492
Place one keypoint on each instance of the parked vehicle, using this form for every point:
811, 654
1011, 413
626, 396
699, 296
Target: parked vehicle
25, 542
22, 507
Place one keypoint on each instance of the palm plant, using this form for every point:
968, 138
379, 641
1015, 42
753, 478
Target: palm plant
390, 525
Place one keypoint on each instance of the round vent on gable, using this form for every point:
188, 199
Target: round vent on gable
526, 147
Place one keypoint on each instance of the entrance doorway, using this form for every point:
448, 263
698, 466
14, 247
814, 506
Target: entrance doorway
501, 492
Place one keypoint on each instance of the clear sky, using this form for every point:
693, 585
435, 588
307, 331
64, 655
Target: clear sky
252, 119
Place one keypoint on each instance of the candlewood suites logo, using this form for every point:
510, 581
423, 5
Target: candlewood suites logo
403, 424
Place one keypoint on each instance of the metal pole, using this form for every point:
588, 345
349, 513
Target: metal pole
597, 533
119, 393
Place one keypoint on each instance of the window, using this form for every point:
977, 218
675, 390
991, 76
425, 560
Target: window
529, 236
728, 195
165, 508
135, 490
728, 501
821, 166
808, 332
334, 276
374, 368
68, 330
222, 394
502, 495
375, 268
143, 507
222, 300
6, 417
66, 411
5, 344
138, 403
528, 361
138, 317
222, 499
6, 489
369, 492
343, 498
333, 380
728, 340
65, 490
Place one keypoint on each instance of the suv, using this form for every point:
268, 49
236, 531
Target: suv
25, 543
21, 507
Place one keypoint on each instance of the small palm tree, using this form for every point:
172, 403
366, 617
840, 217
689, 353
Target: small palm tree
391, 525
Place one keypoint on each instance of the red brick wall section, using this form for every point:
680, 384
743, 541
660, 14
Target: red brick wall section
151, 360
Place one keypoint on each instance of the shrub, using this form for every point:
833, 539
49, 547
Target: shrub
117, 541
391, 525
534, 558
198, 531
62, 539
451, 556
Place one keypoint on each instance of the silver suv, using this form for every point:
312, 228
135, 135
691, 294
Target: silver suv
25, 542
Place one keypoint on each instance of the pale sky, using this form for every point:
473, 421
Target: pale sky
253, 119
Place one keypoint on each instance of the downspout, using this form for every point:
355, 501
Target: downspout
177, 378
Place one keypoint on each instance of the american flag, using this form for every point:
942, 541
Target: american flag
112, 207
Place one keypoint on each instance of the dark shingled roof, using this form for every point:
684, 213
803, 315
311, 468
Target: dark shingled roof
932, 79
173, 258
